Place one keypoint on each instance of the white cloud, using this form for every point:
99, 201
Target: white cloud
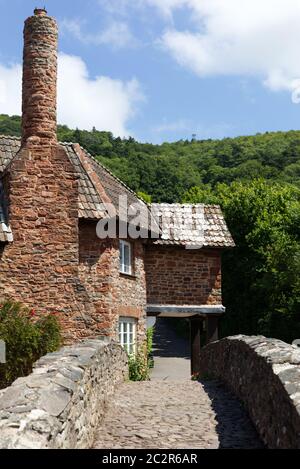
166, 7
258, 38
83, 102
120, 7
117, 34
10, 89
234, 37
124, 7
103, 102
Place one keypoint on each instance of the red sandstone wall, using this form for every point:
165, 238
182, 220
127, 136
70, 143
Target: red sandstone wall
95, 273
113, 294
178, 276
40, 268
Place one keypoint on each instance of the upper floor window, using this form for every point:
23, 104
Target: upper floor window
126, 258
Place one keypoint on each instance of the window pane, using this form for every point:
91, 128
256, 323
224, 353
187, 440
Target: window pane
121, 333
127, 258
127, 334
121, 255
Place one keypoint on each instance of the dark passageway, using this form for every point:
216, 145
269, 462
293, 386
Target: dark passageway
171, 353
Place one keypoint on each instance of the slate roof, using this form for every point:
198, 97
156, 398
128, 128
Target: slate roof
193, 226
90, 202
9, 146
111, 188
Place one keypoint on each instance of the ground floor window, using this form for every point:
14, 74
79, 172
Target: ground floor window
127, 334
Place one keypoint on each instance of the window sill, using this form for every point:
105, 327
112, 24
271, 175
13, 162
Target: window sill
130, 276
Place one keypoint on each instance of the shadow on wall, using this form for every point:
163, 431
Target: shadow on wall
167, 343
234, 427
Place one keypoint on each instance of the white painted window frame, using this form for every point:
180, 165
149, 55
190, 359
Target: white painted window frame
126, 269
128, 334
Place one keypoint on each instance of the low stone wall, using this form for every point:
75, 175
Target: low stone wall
61, 403
265, 375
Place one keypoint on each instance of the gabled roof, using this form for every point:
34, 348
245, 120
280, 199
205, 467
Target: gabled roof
97, 185
113, 191
193, 226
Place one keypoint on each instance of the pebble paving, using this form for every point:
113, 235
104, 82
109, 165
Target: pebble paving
175, 415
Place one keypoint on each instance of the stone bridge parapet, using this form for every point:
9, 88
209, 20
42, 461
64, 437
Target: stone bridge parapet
62, 402
265, 375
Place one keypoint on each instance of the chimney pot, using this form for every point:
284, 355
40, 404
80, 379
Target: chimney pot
40, 12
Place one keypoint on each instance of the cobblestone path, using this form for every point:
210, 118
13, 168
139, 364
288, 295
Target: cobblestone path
175, 415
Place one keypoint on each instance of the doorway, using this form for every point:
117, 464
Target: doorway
171, 350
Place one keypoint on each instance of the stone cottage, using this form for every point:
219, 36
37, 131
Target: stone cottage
53, 196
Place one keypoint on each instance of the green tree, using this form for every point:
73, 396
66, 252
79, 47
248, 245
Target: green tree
200, 195
145, 197
261, 275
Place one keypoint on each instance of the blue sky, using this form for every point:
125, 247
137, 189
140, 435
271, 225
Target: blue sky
162, 70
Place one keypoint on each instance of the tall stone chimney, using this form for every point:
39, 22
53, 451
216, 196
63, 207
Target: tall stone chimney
40, 78
41, 267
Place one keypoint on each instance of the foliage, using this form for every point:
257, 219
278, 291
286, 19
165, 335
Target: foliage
138, 365
261, 276
145, 197
50, 334
200, 195
141, 362
10, 125
150, 334
196, 377
27, 338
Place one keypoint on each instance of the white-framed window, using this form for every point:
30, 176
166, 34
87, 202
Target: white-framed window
126, 258
127, 334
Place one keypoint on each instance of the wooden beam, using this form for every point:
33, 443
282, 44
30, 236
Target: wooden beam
196, 328
184, 310
212, 331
